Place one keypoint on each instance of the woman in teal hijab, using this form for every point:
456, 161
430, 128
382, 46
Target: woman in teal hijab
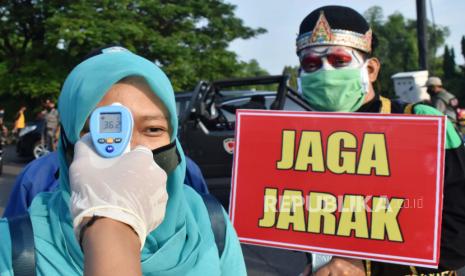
183, 244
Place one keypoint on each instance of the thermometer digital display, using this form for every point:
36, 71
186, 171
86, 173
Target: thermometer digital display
111, 130
110, 122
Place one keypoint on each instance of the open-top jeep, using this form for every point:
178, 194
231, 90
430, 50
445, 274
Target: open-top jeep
207, 121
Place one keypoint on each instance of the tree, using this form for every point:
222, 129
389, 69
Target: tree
453, 81
374, 16
448, 64
461, 89
462, 67
446, 60
397, 46
251, 69
292, 71
42, 40
462, 43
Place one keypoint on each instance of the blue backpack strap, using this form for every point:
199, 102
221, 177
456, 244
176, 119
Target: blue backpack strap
194, 177
215, 212
22, 245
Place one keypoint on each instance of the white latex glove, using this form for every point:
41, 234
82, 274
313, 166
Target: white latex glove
130, 188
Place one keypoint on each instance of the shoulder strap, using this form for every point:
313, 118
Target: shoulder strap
408, 109
385, 105
22, 245
215, 212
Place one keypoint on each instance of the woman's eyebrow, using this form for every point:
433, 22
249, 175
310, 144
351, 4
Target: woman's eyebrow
153, 117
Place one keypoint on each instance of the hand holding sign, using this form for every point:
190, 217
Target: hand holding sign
342, 266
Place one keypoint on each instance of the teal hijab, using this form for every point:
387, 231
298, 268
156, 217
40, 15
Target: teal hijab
183, 243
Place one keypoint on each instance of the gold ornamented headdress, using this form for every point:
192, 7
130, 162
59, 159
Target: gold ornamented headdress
323, 35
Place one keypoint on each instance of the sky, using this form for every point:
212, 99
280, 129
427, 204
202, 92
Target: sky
281, 18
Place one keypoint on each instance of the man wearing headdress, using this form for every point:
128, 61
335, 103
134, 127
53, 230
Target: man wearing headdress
335, 48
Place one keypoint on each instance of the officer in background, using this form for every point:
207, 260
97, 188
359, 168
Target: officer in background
335, 48
52, 125
441, 99
3, 129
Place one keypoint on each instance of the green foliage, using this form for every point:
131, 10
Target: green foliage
448, 64
43, 40
292, 71
453, 80
436, 38
251, 69
462, 67
397, 46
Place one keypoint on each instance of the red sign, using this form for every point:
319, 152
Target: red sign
363, 186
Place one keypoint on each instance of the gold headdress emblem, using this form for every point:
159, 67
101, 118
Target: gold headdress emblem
322, 34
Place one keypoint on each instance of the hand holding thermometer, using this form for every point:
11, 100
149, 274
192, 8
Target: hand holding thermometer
111, 130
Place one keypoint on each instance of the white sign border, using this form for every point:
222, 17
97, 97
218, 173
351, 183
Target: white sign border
268, 113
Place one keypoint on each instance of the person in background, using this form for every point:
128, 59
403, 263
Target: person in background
20, 120
335, 47
441, 99
2, 115
3, 128
52, 125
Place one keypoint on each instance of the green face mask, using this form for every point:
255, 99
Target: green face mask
334, 90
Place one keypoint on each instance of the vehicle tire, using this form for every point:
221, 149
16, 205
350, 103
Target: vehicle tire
39, 150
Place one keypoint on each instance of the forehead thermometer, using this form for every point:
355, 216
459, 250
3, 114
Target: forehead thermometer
111, 130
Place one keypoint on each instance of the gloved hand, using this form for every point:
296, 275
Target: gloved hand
130, 188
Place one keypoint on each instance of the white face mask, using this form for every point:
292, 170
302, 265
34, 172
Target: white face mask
365, 78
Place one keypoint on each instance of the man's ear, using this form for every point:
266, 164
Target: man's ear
373, 66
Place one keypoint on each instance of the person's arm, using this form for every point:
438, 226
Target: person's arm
129, 191
111, 248
338, 266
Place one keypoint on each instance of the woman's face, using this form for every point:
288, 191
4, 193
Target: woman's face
151, 127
